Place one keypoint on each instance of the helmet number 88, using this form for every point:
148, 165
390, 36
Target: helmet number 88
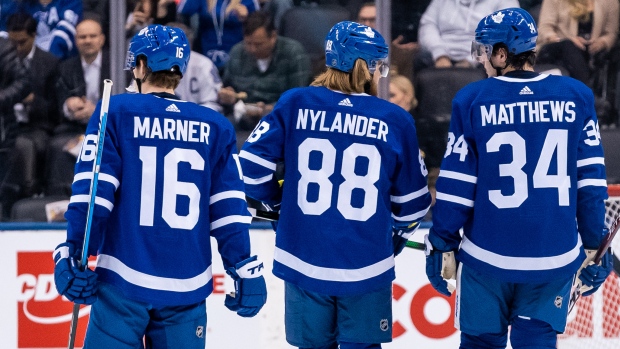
352, 180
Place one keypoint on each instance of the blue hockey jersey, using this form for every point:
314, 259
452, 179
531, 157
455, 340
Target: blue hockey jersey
524, 176
352, 170
56, 23
169, 180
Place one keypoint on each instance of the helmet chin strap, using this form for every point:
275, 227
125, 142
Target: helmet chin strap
498, 70
140, 81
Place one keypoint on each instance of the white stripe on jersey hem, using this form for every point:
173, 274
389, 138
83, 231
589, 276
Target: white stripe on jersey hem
257, 160
252, 181
413, 216
150, 281
229, 194
102, 177
230, 220
458, 176
591, 161
86, 199
507, 79
333, 274
455, 199
409, 197
591, 183
521, 263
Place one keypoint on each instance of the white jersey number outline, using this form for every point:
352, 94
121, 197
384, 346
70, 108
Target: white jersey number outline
352, 180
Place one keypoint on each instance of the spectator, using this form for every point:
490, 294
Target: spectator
404, 29
260, 69
447, 29
402, 93
79, 88
14, 87
36, 115
148, 12
56, 21
201, 82
220, 25
577, 34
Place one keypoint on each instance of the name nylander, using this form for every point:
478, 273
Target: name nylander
357, 125
528, 112
179, 130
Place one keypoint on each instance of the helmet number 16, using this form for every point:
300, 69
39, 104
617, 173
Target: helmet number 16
179, 52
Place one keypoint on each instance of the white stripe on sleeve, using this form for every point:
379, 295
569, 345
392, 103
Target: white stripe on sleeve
455, 199
230, 220
591, 161
230, 194
257, 160
102, 177
409, 197
86, 199
591, 183
458, 176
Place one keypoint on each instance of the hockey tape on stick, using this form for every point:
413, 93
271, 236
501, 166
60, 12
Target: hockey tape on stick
576, 289
103, 118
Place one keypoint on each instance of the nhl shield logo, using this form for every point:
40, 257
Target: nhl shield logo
199, 331
384, 325
558, 301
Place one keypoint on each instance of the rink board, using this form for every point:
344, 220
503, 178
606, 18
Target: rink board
35, 316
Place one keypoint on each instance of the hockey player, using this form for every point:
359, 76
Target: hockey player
354, 190
169, 181
524, 176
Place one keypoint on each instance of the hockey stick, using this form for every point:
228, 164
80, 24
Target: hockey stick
83, 262
577, 284
274, 216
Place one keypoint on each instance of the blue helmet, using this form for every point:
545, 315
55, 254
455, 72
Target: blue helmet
347, 41
514, 27
164, 48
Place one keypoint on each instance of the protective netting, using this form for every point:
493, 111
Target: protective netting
594, 323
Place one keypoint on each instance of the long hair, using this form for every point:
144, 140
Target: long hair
404, 84
359, 80
579, 10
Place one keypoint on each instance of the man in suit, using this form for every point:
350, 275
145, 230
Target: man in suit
36, 115
14, 87
79, 88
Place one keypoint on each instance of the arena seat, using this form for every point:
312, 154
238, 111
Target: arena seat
435, 89
33, 209
309, 24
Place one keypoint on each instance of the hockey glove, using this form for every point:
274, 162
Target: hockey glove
594, 275
400, 236
439, 267
250, 289
79, 286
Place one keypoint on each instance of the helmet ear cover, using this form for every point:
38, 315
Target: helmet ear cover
348, 41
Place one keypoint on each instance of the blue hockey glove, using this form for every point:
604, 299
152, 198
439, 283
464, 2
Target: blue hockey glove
250, 289
79, 286
400, 236
439, 267
594, 275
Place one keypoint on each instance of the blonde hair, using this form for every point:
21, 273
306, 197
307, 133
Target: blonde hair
211, 5
359, 80
579, 9
404, 84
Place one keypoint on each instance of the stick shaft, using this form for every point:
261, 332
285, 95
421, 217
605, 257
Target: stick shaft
83, 262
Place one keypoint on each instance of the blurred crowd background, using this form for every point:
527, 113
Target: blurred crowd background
55, 54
